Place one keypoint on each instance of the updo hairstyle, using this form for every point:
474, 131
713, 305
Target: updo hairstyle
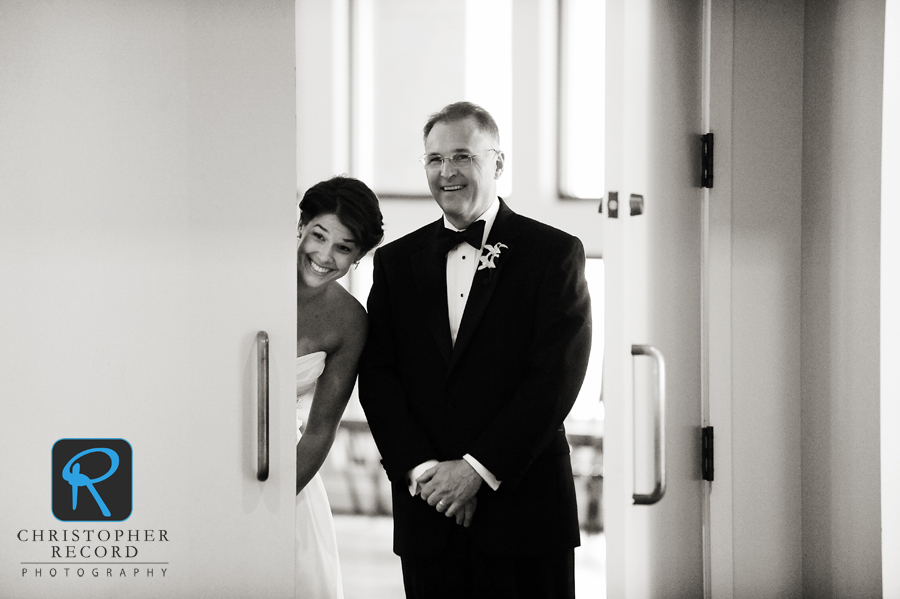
352, 202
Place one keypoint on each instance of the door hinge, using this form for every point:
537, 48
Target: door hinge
707, 466
706, 160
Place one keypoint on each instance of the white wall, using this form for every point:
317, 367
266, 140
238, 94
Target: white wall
719, 334
766, 122
801, 120
843, 57
323, 97
890, 299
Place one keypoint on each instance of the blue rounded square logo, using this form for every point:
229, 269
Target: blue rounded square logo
91, 480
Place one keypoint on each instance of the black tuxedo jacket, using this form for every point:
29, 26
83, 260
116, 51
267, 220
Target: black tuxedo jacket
500, 394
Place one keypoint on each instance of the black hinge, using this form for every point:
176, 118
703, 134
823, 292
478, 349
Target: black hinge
706, 455
706, 160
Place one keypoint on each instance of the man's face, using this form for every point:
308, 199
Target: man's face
463, 192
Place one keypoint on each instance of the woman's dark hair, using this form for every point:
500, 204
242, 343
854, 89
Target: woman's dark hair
352, 202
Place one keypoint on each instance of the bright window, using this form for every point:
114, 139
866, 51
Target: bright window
410, 59
581, 105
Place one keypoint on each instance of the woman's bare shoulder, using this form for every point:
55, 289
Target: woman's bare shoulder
350, 313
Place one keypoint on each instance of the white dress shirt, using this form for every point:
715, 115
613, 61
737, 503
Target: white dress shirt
462, 262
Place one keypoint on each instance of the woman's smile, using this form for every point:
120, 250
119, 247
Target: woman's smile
317, 268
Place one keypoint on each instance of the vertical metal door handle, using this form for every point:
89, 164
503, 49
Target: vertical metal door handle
659, 488
262, 406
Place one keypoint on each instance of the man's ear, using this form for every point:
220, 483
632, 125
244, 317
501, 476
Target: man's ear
498, 165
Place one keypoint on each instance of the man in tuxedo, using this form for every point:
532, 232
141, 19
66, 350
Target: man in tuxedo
479, 335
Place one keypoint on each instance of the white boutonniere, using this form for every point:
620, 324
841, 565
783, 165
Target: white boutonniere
493, 252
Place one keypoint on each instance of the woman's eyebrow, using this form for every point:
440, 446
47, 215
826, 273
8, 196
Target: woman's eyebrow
345, 240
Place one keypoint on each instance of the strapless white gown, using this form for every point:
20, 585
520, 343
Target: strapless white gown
318, 570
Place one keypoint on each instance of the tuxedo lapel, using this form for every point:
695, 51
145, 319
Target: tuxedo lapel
487, 279
430, 274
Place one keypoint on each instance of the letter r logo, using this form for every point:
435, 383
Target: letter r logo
91, 480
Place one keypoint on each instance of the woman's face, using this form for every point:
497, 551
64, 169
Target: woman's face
325, 251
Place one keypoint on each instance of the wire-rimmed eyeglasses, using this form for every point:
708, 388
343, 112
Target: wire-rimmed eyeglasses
461, 160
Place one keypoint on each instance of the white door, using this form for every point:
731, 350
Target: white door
653, 287
147, 210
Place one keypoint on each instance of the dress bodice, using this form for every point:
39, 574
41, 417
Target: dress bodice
309, 369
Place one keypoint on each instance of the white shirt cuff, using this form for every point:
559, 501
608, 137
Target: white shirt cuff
489, 478
417, 472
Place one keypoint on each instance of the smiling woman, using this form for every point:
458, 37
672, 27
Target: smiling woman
339, 222
327, 249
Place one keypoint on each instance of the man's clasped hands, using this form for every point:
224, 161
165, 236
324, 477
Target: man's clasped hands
450, 488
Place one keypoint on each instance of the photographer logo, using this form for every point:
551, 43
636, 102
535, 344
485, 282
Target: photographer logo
91, 480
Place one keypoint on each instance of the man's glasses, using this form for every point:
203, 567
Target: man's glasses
436, 161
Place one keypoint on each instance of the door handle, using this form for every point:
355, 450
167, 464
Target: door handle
659, 444
262, 405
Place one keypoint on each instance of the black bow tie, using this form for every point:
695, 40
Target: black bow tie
448, 239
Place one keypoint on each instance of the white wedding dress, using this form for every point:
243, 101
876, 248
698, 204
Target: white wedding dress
318, 571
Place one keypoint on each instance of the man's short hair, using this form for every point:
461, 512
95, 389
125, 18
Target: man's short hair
459, 111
